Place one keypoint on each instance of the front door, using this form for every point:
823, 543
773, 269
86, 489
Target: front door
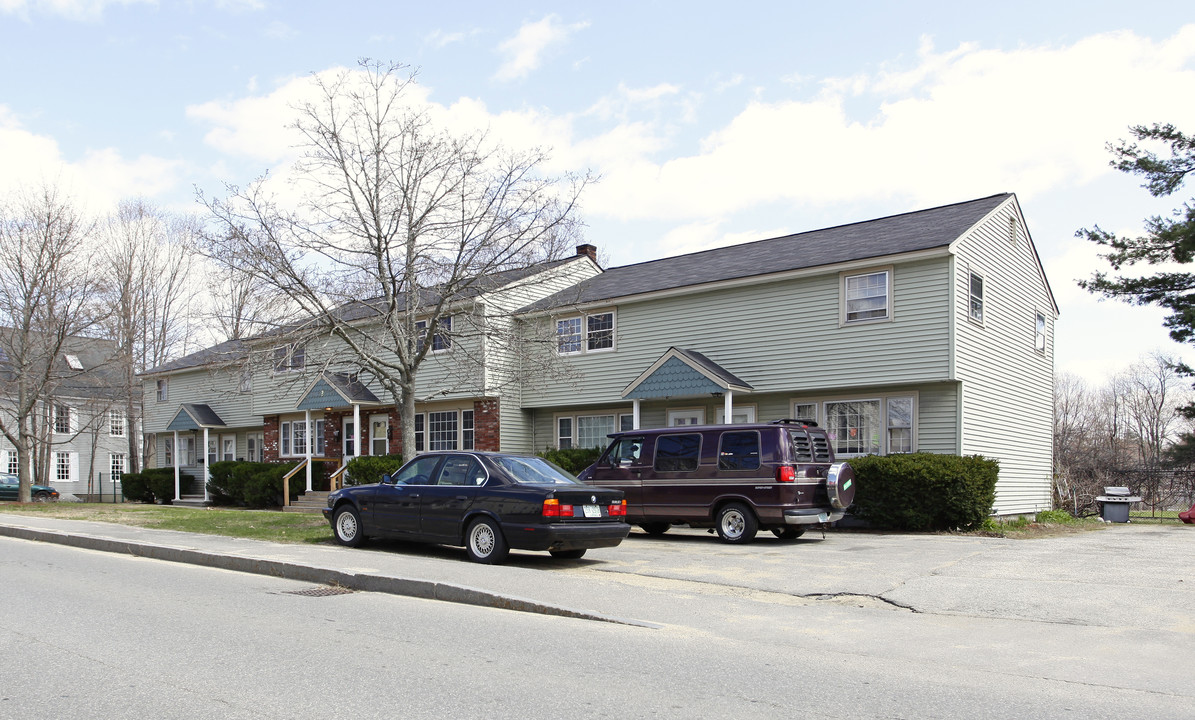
379, 427
348, 434
253, 442
681, 418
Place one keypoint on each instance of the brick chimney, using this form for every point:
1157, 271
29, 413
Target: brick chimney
588, 250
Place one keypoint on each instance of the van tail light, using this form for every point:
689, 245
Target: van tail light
553, 508
786, 473
618, 509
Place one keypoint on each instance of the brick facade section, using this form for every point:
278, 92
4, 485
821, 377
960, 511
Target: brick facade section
269, 445
486, 435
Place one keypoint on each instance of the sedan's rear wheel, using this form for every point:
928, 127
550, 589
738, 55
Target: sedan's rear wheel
346, 526
737, 524
485, 543
568, 554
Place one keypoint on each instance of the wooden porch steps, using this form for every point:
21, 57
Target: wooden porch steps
313, 502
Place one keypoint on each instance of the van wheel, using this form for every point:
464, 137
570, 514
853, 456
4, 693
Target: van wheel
788, 532
737, 524
655, 528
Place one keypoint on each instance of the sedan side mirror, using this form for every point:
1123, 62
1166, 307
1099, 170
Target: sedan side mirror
386, 479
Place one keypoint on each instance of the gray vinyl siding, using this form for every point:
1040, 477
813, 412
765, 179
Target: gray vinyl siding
738, 329
1007, 408
216, 388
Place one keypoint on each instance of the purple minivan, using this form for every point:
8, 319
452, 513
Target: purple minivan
778, 476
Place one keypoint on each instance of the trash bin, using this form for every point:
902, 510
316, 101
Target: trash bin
1114, 504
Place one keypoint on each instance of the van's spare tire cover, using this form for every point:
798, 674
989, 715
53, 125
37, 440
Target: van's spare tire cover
840, 485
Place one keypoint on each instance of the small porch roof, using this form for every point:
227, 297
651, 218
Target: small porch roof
332, 389
681, 373
194, 416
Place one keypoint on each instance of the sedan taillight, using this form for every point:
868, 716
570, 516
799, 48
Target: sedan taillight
553, 508
618, 509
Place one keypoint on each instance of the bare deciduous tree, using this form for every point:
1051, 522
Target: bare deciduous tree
47, 295
146, 259
401, 224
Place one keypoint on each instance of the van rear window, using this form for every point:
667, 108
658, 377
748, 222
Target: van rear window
677, 453
739, 451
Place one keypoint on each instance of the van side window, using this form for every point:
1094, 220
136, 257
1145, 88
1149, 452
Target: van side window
677, 453
626, 451
739, 451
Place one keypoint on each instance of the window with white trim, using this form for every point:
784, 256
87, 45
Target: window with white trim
62, 419
14, 467
592, 332
420, 433
900, 425
168, 451
213, 450
228, 448
881, 425
564, 433
441, 430
290, 358
284, 439
626, 422
1039, 333
116, 465
441, 340
163, 389
62, 467
116, 422
975, 295
467, 430
867, 296
318, 429
593, 429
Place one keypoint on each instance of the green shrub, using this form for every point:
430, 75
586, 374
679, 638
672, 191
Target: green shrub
367, 469
250, 484
153, 485
1057, 517
573, 460
923, 491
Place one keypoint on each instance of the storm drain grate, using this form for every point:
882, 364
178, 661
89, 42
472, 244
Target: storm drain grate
321, 591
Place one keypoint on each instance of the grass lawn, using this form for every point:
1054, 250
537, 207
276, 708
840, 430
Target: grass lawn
254, 524
1161, 517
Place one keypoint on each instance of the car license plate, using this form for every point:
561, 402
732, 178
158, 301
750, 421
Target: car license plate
592, 511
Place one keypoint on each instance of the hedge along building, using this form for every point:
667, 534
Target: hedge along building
292, 396
929, 331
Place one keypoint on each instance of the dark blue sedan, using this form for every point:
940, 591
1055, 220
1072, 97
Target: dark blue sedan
488, 502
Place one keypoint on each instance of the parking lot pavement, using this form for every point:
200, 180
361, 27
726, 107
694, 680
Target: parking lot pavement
1126, 576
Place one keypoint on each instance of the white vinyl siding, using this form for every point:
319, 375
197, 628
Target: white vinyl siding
999, 365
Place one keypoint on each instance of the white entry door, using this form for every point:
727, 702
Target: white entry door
738, 415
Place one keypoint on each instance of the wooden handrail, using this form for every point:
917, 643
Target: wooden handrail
295, 470
336, 476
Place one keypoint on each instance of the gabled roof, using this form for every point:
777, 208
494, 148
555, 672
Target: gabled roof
193, 416
332, 389
237, 350
681, 373
84, 367
909, 232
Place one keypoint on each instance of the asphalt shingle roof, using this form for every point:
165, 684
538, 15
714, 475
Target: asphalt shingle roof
909, 232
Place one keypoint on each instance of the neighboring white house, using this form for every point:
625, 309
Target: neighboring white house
83, 429
928, 331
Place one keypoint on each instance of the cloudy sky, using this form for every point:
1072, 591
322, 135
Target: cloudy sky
709, 123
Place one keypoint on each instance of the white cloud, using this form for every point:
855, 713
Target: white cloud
524, 52
439, 39
78, 10
97, 181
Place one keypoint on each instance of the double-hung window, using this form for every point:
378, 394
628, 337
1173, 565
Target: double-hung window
867, 296
116, 466
441, 430
975, 294
289, 358
116, 422
874, 426
163, 386
441, 340
593, 332
62, 419
1039, 333
62, 467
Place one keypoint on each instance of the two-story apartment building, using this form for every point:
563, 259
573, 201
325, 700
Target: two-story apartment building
82, 427
928, 331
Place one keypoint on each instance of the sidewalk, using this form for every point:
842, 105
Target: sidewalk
386, 571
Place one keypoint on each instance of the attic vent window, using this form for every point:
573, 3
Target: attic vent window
74, 362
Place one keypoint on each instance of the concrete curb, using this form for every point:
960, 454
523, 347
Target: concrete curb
369, 582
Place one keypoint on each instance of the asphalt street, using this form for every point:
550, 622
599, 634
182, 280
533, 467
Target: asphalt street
1102, 620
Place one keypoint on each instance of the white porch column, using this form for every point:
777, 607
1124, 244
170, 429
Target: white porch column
635, 414
356, 430
207, 463
310, 443
174, 454
727, 407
